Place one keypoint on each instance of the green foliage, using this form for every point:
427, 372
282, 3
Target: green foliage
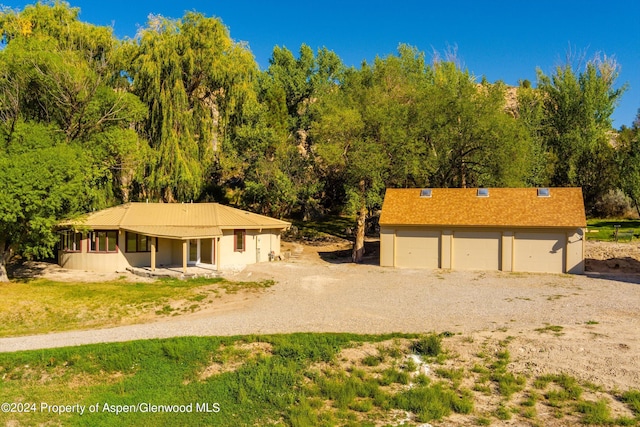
574, 127
628, 161
430, 345
194, 80
181, 112
595, 413
632, 399
37, 187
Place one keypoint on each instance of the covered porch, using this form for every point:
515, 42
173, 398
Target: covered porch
193, 250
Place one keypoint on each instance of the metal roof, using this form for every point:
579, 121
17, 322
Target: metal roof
175, 220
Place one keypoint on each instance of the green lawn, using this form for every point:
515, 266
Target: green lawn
296, 380
604, 230
41, 306
327, 227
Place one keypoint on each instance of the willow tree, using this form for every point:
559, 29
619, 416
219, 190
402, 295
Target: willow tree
194, 79
59, 72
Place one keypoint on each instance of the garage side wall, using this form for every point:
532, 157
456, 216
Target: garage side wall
387, 247
575, 251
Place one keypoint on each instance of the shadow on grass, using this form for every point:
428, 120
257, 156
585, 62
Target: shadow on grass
22, 270
371, 254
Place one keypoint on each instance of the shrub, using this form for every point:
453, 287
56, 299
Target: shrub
613, 204
632, 399
596, 413
431, 345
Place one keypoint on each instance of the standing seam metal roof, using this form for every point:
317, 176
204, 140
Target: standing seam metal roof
176, 220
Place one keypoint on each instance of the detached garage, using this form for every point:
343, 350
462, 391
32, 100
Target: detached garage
508, 229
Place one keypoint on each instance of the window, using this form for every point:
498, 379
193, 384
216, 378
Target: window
543, 192
483, 192
425, 192
239, 240
139, 242
70, 241
103, 241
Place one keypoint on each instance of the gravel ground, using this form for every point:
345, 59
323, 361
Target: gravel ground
599, 314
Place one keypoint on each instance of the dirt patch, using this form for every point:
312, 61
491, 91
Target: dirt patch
611, 257
231, 358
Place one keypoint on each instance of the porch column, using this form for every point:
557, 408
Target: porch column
218, 254
184, 256
213, 251
153, 254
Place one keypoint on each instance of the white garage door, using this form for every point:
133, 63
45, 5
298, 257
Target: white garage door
539, 252
417, 248
476, 250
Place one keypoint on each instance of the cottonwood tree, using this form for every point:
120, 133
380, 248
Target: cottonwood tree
471, 139
628, 159
577, 123
365, 133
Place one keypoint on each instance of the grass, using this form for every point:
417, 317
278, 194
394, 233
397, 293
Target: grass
326, 227
604, 230
41, 306
295, 380
555, 329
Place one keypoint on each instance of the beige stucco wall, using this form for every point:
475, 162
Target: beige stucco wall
387, 242
170, 253
526, 250
258, 244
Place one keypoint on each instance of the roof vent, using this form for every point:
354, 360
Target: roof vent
483, 192
543, 192
425, 192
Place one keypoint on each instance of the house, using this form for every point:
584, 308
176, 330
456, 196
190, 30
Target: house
508, 229
168, 234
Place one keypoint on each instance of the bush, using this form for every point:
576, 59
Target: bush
431, 345
613, 204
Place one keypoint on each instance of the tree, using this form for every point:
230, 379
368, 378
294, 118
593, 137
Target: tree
577, 123
42, 179
194, 80
628, 159
365, 131
58, 71
473, 141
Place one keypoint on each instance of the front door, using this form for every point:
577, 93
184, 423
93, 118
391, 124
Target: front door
194, 251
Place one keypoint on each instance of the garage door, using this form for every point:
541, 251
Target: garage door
476, 250
539, 252
417, 248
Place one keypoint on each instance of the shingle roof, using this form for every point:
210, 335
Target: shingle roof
176, 220
516, 207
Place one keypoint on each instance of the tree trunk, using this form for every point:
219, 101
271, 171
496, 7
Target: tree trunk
5, 255
358, 245
3, 273
635, 201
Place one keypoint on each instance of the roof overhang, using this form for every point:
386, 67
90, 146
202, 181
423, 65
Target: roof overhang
175, 232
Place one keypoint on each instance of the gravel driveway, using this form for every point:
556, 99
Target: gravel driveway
340, 297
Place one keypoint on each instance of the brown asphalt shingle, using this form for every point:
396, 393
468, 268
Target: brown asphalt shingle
514, 207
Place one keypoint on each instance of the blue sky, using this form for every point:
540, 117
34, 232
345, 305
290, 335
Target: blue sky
502, 40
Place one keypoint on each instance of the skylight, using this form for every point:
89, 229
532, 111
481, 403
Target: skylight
425, 192
483, 192
543, 192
